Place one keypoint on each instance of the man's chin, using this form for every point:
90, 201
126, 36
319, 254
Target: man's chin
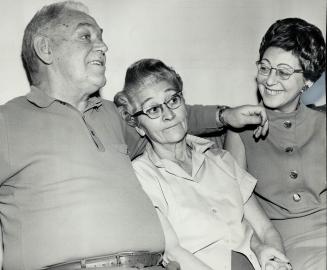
101, 83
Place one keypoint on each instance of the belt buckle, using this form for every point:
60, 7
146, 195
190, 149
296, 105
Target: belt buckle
131, 259
109, 261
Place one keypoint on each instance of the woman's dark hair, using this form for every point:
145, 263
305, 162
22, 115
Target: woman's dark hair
303, 39
142, 73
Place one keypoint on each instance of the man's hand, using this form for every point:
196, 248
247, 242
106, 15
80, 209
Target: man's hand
241, 116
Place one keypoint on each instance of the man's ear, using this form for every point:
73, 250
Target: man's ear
140, 131
43, 49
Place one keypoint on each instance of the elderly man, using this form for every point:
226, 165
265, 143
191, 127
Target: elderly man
69, 198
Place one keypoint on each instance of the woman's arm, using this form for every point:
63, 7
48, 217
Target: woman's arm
266, 242
173, 250
262, 226
235, 146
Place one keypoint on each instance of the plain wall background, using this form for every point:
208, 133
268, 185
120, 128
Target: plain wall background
212, 44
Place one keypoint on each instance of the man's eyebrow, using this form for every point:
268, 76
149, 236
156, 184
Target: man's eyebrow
82, 24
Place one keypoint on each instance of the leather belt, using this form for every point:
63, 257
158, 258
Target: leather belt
138, 259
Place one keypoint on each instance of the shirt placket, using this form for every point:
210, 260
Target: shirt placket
93, 135
95, 138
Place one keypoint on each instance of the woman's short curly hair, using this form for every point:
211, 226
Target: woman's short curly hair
303, 39
143, 73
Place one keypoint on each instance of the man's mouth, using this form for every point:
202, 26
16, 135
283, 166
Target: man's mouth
97, 62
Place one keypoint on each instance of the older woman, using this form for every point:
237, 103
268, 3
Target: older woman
201, 195
290, 163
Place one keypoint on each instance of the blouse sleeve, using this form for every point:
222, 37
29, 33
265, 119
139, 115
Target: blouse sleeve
246, 181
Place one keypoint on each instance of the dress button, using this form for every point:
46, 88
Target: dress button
296, 197
214, 210
289, 149
287, 124
293, 174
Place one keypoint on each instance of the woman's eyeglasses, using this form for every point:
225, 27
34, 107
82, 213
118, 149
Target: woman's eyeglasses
156, 111
283, 71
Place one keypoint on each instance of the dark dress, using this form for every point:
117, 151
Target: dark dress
290, 165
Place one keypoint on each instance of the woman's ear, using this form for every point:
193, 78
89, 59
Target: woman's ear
42, 49
140, 131
126, 116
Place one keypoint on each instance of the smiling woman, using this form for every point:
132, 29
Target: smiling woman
290, 162
280, 79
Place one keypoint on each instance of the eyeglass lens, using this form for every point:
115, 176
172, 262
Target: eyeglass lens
172, 103
283, 71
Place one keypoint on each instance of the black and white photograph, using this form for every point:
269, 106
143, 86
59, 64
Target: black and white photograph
163, 135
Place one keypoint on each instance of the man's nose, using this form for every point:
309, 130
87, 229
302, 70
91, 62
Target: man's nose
100, 45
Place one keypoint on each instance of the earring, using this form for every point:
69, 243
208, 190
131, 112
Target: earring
304, 88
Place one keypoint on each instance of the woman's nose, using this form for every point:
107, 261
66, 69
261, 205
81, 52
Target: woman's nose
167, 114
272, 77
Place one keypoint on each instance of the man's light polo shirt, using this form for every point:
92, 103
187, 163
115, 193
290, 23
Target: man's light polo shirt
68, 189
205, 208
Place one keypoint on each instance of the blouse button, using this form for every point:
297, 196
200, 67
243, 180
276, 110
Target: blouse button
287, 124
293, 174
296, 197
289, 149
214, 210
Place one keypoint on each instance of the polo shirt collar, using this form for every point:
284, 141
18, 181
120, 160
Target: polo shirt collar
38, 97
198, 145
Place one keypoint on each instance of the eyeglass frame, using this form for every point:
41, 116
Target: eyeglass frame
278, 70
178, 94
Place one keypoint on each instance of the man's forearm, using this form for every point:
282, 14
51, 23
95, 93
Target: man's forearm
211, 118
202, 119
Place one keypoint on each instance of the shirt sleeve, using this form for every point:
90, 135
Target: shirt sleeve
135, 143
4, 150
149, 177
246, 181
202, 119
